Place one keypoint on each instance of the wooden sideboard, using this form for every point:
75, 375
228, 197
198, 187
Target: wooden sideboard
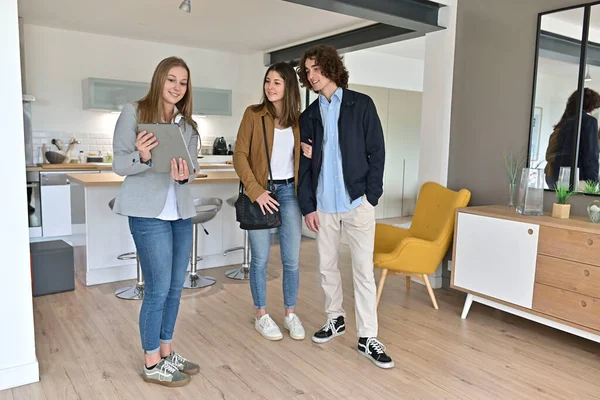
540, 268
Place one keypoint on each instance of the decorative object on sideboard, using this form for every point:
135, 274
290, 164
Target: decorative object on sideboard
513, 164
593, 211
530, 198
561, 209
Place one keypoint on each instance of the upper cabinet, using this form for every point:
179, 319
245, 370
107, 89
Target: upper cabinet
112, 95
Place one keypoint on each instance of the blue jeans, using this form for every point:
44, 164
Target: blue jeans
290, 234
163, 248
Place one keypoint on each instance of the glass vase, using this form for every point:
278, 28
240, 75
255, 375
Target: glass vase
593, 211
512, 189
531, 192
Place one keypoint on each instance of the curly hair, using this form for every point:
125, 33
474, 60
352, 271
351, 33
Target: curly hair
330, 62
591, 101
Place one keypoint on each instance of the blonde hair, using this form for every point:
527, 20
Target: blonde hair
150, 107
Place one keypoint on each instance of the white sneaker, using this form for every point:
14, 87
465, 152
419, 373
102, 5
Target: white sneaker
292, 323
268, 328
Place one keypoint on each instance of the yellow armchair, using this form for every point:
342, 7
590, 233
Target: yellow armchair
417, 251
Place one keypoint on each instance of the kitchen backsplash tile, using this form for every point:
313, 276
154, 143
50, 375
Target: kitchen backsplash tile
94, 142
90, 142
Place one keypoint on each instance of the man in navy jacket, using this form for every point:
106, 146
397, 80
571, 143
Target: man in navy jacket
340, 183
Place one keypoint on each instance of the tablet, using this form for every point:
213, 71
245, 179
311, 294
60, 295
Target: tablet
171, 144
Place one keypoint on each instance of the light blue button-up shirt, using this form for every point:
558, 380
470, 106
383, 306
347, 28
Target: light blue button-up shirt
332, 195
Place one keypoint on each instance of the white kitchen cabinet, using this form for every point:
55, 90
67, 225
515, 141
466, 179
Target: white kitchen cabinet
400, 182
112, 95
496, 257
400, 115
56, 202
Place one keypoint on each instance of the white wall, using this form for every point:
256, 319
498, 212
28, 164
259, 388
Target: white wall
18, 363
437, 99
57, 61
384, 70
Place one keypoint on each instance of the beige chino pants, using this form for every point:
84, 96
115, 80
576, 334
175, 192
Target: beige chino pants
359, 225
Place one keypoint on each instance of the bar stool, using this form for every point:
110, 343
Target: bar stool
206, 209
134, 292
242, 273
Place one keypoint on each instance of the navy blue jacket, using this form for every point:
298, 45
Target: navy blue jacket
588, 147
361, 144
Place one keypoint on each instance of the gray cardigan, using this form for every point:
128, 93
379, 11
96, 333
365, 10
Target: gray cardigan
144, 191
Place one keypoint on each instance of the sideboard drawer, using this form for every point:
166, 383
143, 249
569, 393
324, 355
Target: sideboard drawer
570, 245
569, 275
573, 307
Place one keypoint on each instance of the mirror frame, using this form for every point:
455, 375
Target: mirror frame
587, 9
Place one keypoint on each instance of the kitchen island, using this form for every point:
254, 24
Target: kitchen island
101, 235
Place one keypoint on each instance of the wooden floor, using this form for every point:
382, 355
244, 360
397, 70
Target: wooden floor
88, 348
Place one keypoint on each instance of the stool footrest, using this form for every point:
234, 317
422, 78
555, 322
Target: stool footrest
233, 249
127, 256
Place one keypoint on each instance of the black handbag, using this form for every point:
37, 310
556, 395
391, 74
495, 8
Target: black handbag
249, 214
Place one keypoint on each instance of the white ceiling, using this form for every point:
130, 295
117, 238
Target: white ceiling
575, 16
239, 26
412, 48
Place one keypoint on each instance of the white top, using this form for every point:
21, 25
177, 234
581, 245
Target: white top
282, 156
170, 211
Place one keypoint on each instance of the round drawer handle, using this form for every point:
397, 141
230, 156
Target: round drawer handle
590, 242
530, 231
586, 272
583, 303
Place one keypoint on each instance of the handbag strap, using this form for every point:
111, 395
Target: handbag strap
267, 149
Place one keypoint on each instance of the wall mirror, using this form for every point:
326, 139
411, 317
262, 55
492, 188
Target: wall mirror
564, 137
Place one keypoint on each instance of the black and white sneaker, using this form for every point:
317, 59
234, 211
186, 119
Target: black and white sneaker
332, 328
375, 351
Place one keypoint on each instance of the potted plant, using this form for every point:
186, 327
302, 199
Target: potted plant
561, 209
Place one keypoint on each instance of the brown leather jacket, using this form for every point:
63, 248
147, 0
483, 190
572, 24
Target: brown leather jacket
250, 159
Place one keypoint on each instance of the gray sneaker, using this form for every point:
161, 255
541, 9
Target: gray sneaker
165, 373
183, 364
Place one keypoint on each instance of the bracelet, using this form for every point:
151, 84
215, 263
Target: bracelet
181, 182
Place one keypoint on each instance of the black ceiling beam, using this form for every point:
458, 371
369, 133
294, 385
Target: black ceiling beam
357, 39
566, 49
417, 15
394, 20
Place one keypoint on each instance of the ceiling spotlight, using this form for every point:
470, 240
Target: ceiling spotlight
588, 77
186, 6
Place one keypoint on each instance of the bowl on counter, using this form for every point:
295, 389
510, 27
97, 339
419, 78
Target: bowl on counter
54, 157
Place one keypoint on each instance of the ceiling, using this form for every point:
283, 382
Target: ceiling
238, 26
575, 16
412, 48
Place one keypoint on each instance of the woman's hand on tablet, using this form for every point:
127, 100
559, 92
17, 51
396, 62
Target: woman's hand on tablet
145, 142
179, 170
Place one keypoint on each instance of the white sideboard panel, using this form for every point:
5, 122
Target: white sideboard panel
496, 257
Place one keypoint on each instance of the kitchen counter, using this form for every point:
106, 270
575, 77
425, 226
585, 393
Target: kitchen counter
112, 179
102, 235
70, 167
106, 167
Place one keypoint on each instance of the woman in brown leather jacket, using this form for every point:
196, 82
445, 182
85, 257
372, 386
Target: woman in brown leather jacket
280, 110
